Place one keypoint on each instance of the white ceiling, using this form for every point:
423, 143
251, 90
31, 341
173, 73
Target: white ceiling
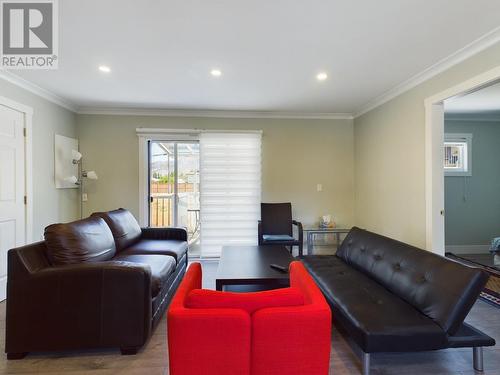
161, 52
484, 101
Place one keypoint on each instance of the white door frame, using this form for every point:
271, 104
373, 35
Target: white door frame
434, 171
28, 160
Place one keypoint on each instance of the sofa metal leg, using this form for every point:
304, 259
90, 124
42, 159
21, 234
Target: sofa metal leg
17, 355
366, 363
477, 355
129, 350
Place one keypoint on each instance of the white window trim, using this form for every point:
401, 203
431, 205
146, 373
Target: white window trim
460, 137
161, 134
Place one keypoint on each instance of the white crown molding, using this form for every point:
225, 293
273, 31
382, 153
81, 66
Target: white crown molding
471, 117
455, 58
37, 90
131, 111
464, 53
211, 113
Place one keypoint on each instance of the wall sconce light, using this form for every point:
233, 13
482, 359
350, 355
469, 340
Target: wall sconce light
91, 175
72, 179
76, 156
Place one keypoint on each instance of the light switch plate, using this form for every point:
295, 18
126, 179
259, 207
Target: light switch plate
319, 187
85, 198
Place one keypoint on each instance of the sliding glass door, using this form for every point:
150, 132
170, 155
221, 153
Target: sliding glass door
174, 187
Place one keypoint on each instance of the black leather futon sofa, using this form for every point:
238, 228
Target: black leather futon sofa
393, 297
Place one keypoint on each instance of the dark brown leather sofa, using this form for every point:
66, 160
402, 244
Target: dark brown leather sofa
393, 297
93, 283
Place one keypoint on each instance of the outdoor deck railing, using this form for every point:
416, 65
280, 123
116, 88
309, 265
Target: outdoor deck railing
161, 209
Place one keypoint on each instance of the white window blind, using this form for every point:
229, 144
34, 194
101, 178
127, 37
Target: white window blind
230, 176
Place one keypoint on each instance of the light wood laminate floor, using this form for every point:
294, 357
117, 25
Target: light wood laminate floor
153, 359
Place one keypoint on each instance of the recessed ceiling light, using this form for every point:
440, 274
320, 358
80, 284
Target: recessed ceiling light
321, 76
104, 68
216, 72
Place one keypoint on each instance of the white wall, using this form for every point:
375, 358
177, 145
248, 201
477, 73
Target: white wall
296, 156
388, 195
389, 155
50, 205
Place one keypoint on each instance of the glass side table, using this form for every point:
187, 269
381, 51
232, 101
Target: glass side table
313, 230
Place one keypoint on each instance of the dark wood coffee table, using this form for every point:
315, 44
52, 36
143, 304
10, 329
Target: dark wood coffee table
249, 265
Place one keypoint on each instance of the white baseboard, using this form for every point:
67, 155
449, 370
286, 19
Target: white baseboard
468, 249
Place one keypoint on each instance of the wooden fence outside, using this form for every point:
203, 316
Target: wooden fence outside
165, 188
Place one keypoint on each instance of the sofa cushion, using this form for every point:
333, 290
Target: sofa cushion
250, 302
123, 225
162, 266
378, 320
87, 240
439, 288
174, 248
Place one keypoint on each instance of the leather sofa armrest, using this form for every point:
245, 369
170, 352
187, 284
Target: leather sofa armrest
170, 233
114, 297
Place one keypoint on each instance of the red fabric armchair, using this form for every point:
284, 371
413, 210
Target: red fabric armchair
282, 331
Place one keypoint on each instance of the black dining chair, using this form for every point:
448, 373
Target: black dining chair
276, 226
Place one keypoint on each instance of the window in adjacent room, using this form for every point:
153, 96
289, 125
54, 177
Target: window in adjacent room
457, 154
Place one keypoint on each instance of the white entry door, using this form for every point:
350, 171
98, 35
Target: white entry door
12, 187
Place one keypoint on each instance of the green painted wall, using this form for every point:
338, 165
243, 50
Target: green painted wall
297, 154
472, 204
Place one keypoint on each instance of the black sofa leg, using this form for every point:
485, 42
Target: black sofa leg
477, 356
366, 363
129, 350
17, 355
